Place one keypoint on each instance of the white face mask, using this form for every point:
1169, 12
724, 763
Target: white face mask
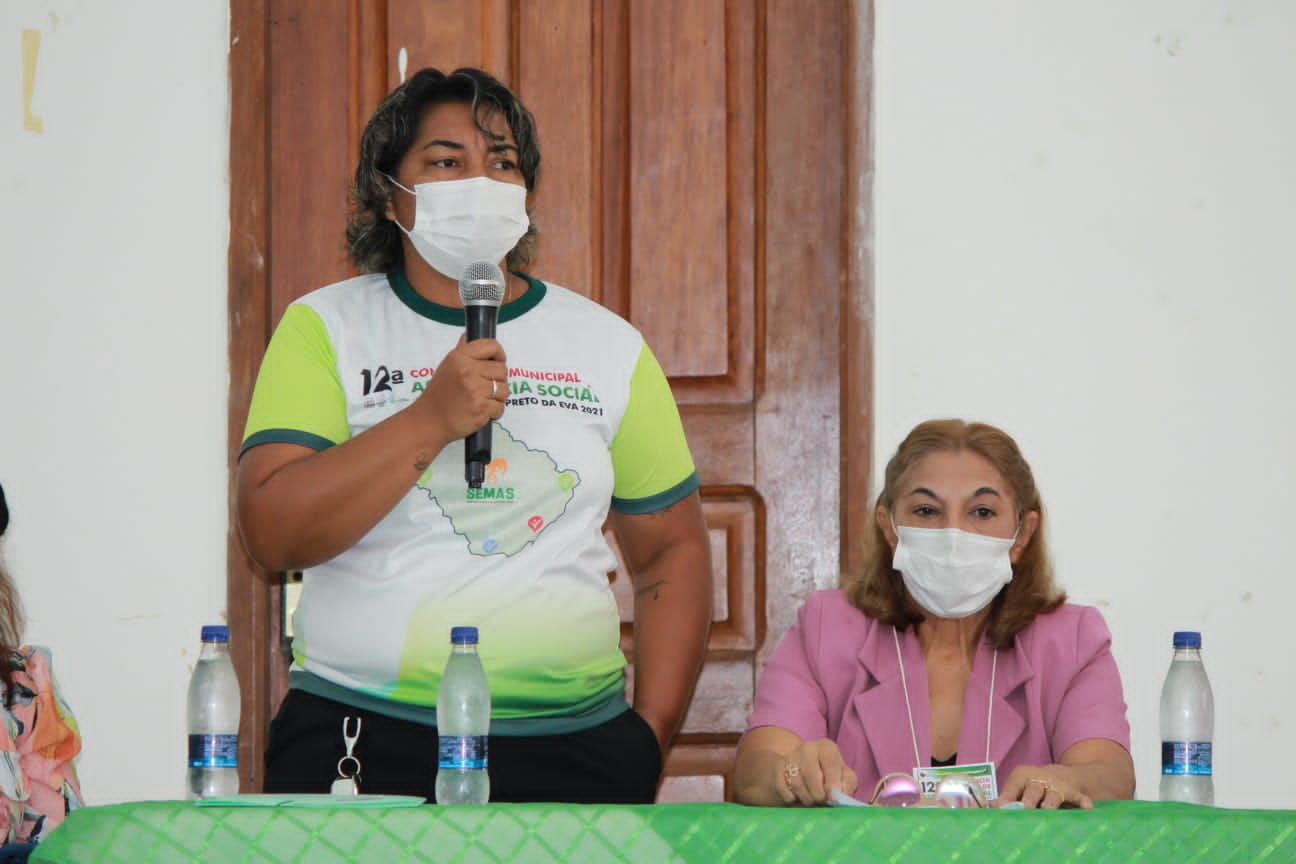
459, 222
952, 573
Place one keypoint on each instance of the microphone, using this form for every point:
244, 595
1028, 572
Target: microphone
481, 290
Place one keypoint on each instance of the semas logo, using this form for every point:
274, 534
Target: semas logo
493, 490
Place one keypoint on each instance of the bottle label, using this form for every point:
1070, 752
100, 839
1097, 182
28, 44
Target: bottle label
213, 751
1186, 757
461, 752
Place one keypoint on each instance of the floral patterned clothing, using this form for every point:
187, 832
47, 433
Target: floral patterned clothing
38, 782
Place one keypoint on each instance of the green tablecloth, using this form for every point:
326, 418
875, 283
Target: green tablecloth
159, 832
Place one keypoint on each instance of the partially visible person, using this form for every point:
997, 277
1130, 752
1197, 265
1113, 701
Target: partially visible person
38, 781
952, 647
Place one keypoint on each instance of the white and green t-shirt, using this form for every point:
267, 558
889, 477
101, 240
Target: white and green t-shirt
590, 424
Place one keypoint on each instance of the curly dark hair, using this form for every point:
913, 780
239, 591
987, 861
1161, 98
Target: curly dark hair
373, 240
878, 589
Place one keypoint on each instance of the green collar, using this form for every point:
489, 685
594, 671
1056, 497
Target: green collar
454, 315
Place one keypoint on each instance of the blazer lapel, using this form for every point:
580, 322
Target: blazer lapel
882, 711
1005, 707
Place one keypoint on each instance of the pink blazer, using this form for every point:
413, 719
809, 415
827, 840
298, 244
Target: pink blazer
836, 675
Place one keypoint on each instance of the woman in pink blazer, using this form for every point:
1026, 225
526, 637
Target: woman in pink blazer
952, 647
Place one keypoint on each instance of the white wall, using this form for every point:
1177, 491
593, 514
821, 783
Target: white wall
1084, 215
113, 361
1080, 210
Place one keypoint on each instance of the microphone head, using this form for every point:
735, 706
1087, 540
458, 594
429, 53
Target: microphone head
482, 284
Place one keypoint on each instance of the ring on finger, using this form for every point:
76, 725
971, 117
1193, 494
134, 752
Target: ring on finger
1047, 786
791, 772
494, 383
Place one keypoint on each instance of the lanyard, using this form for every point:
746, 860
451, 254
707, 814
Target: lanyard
913, 733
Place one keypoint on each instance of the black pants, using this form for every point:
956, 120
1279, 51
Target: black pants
618, 762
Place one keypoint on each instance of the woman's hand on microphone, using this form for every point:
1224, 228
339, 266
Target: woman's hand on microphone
468, 389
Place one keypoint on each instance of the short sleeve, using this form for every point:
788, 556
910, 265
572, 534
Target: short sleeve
298, 398
650, 457
788, 694
1093, 705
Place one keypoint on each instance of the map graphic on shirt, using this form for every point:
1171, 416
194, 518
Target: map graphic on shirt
525, 492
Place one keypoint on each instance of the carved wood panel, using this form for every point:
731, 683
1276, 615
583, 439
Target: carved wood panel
696, 179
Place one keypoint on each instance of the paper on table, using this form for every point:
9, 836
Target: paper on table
839, 798
314, 801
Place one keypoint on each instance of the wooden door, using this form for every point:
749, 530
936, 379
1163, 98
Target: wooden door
703, 175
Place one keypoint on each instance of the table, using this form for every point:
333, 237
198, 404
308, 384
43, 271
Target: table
162, 832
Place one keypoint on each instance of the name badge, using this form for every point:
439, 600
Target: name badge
982, 772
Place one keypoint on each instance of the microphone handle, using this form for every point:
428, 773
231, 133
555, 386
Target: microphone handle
477, 446
481, 321
477, 455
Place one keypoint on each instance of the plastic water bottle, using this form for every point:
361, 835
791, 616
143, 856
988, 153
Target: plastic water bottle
1187, 725
463, 723
213, 719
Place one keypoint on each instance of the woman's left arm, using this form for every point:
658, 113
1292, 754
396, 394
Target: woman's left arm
1089, 722
1095, 769
669, 557
1102, 769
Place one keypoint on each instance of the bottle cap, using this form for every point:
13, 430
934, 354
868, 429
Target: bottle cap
215, 633
1187, 639
460, 635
